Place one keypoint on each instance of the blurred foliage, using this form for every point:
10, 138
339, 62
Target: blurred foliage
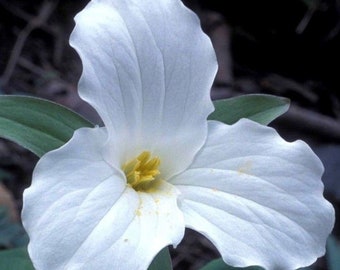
12, 235
333, 253
15, 259
218, 264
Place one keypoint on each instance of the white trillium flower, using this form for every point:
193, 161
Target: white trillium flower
114, 196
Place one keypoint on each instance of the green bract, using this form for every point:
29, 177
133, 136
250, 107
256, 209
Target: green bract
15, 259
260, 108
218, 264
162, 261
37, 124
40, 125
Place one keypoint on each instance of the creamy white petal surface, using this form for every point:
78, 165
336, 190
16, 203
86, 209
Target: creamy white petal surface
147, 68
257, 197
80, 214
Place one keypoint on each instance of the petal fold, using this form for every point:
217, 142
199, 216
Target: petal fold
258, 198
147, 67
80, 214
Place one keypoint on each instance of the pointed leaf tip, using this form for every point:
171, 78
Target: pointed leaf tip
260, 108
162, 261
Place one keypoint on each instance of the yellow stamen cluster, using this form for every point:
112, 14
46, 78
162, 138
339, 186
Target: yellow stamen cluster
141, 170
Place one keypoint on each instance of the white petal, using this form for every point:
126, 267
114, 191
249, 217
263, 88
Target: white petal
80, 214
147, 70
257, 197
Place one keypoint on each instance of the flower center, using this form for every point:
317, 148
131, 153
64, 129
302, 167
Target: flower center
141, 171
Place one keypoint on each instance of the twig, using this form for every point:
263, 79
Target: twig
313, 123
43, 15
308, 16
16, 11
30, 66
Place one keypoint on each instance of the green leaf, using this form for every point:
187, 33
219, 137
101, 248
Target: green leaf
15, 259
162, 261
18, 259
218, 264
333, 253
37, 124
257, 107
307, 268
11, 234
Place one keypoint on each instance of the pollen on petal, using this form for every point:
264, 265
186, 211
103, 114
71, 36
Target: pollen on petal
245, 168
